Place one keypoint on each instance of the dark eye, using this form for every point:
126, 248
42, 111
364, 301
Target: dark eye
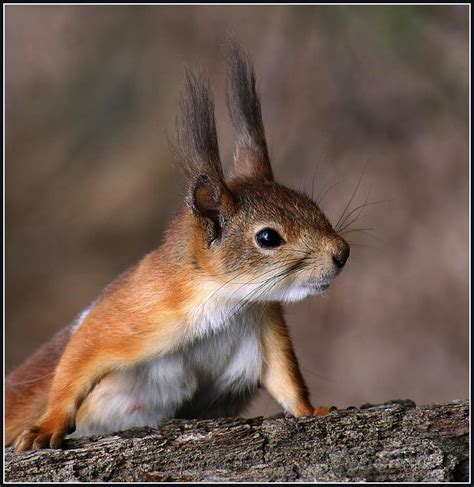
269, 238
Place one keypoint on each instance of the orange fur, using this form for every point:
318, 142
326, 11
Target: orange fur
27, 387
179, 294
281, 375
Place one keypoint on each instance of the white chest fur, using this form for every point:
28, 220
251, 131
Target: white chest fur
225, 362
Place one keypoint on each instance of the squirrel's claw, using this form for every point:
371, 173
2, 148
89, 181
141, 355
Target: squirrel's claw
324, 410
36, 438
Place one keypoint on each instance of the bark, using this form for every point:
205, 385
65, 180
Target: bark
396, 441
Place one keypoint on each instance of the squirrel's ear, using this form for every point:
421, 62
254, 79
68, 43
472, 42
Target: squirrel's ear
251, 157
198, 151
213, 202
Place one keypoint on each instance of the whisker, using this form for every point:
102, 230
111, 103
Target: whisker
314, 176
357, 208
353, 244
13, 384
371, 235
306, 370
260, 290
351, 198
344, 220
254, 280
353, 230
320, 199
284, 264
226, 283
306, 252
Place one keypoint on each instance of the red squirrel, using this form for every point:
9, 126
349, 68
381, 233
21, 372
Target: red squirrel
195, 327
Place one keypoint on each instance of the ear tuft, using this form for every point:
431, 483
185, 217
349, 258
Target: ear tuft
197, 148
251, 155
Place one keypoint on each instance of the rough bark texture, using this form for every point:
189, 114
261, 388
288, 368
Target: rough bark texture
395, 441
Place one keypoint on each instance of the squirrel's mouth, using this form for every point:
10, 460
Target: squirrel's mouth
301, 290
317, 286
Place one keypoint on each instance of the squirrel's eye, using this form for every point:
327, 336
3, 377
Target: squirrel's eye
269, 238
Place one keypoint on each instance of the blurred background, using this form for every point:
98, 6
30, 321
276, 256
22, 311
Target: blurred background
376, 93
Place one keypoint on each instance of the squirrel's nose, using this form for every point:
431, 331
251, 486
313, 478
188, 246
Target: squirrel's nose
342, 254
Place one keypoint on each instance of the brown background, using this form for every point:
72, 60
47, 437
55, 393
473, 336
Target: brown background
91, 96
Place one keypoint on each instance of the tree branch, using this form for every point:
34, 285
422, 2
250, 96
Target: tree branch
395, 441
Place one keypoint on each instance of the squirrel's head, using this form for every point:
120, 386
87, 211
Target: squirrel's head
256, 239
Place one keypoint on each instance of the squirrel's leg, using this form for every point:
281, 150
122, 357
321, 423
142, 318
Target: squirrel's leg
84, 362
74, 378
281, 375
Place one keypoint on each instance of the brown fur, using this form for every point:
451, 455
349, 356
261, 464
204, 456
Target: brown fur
27, 387
212, 242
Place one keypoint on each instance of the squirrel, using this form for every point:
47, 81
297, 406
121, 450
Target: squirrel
196, 326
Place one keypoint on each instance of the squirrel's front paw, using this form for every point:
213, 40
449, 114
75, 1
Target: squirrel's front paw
324, 410
38, 437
